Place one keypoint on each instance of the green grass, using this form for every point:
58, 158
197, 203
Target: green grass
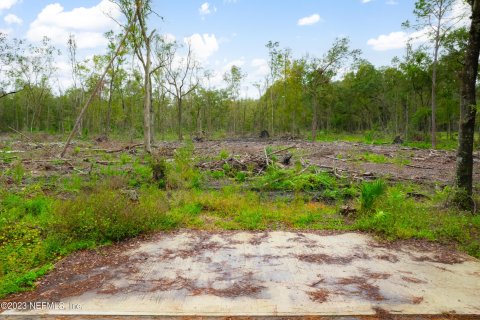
378, 138
397, 216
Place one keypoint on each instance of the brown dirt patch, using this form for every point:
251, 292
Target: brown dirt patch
245, 287
376, 275
388, 257
432, 252
179, 283
324, 259
200, 243
328, 259
319, 296
301, 238
443, 257
360, 286
412, 280
258, 238
239, 289
417, 300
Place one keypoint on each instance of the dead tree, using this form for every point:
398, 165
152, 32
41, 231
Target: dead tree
181, 78
97, 87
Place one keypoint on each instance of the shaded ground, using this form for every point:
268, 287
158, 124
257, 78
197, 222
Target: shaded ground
355, 160
262, 274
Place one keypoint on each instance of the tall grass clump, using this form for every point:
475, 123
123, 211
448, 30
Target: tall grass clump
105, 216
182, 174
370, 192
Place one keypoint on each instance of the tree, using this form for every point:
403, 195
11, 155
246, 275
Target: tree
233, 78
468, 105
436, 17
6, 56
181, 77
114, 79
31, 69
321, 70
275, 65
138, 12
128, 29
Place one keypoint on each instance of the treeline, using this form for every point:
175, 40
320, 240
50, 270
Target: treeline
338, 91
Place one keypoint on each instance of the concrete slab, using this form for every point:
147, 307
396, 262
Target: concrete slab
265, 274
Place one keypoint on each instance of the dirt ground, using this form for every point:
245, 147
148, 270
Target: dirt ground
39, 156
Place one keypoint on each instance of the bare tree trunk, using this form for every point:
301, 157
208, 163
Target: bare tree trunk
152, 115
464, 172
109, 108
434, 89
147, 106
406, 118
179, 118
273, 112
314, 118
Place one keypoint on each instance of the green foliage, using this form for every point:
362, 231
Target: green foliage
106, 216
370, 192
125, 158
374, 158
369, 137
250, 220
73, 183
23, 224
182, 173
321, 184
401, 217
241, 176
223, 155
159, 171
17, 173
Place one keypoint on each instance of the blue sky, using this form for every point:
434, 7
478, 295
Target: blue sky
226, 32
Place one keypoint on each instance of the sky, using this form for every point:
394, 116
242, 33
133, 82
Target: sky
223, 32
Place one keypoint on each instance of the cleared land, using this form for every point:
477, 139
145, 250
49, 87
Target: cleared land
235, 227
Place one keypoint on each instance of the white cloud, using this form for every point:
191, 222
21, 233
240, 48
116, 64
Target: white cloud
392, 2
12, 19
393, 40
310, 20
204, 9
169, 38
203, 46
87, 24
366, 1
6, 31
7, 4
397, 40
261, 67
461, 11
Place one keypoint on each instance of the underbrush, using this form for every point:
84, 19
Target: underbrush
396, 215
44, 220
378, 138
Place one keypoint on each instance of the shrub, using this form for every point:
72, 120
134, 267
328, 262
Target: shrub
182, 174
106, 216
159, 172
370, 192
